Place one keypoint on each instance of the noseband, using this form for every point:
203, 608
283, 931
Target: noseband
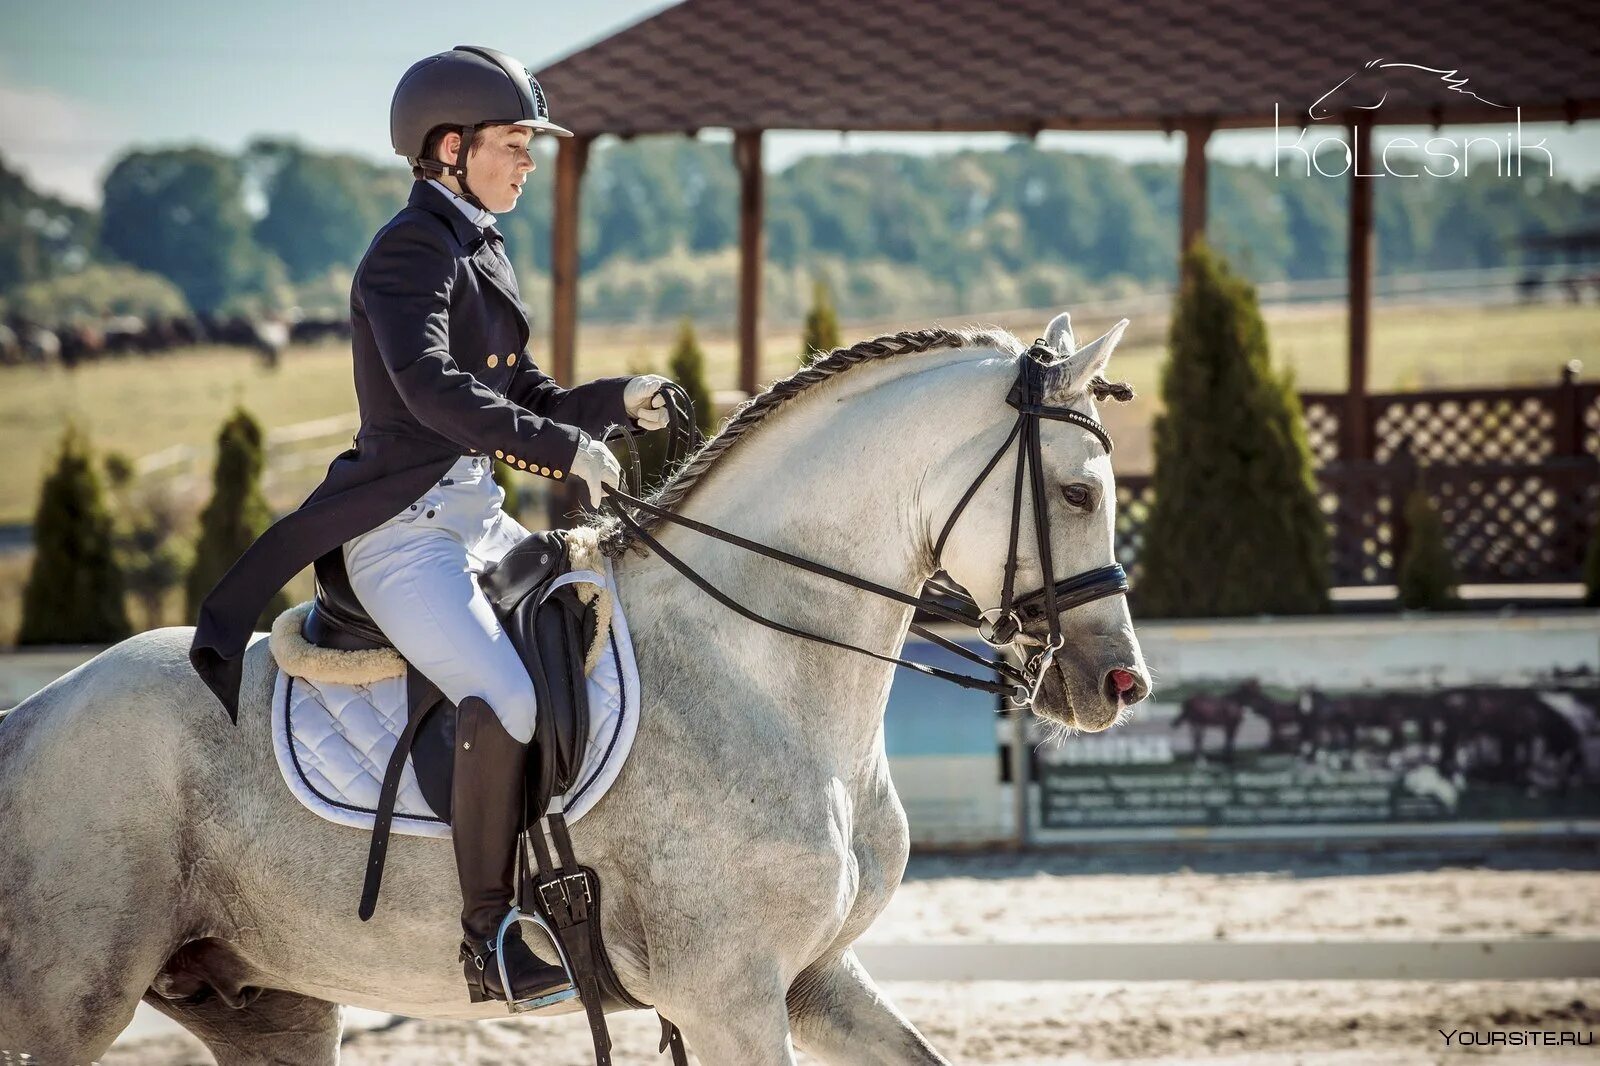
1001, 626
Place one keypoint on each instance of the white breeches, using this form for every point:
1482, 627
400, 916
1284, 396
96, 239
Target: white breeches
417, 577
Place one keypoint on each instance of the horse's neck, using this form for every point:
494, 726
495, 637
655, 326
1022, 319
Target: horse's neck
841, 477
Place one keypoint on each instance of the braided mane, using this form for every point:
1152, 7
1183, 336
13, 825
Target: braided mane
615, 539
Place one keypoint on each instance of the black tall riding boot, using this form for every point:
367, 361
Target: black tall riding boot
486, 805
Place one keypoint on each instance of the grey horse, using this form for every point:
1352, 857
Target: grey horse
150, 849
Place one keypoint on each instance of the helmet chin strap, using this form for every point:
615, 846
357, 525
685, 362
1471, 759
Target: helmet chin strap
458, 169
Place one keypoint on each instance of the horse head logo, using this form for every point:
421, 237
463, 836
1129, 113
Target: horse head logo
1367, 88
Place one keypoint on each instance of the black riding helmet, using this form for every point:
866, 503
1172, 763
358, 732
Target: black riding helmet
464, 89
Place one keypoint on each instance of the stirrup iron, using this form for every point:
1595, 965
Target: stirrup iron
544, 999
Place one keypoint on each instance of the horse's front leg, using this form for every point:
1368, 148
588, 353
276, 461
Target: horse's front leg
839, 1015
729, 1015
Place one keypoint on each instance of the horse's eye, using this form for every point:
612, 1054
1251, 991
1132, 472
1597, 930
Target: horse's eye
1077, 495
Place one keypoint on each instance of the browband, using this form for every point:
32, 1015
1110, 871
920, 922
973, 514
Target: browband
1031, 383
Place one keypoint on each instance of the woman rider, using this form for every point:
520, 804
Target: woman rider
445, 386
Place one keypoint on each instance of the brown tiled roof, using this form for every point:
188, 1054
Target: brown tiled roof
1055, 64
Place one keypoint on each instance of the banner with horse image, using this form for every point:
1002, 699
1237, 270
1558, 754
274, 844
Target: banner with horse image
1377, 723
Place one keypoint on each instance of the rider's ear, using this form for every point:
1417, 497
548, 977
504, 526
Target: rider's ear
450, 148
1071, 376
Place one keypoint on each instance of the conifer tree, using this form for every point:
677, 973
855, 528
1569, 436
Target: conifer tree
1427, 574
147, 535
74, 593
687, 366
236, 514
821, 334
1235, 527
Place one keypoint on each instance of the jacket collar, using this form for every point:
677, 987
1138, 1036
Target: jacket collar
428, 198
476, 215
493, 267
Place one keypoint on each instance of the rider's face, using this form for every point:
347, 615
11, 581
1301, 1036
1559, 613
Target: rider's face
498, 165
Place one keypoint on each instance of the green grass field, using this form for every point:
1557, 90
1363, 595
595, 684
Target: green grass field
143, 406
140, 406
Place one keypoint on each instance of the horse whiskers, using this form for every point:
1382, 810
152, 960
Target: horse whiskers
1054, 732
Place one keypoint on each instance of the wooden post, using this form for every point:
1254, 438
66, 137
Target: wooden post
1357, 431
1192, 222
565, 497
1569, 412
747, 156
571, 156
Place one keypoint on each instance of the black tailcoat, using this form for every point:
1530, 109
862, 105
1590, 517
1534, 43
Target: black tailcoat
441, 370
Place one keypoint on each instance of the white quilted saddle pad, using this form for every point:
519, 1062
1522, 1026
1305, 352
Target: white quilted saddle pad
333, 740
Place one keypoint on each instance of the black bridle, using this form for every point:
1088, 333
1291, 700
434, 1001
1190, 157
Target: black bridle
1001, 626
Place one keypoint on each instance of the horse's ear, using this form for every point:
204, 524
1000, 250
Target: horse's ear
1058, 334
1072, 375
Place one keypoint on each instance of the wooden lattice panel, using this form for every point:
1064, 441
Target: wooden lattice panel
1590, 406
1529, 524
1510, 427
1513, 473
1360, 509
1516, 523
1134, 496
1323, 425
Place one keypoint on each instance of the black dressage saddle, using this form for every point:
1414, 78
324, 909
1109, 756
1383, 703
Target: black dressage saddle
551, 631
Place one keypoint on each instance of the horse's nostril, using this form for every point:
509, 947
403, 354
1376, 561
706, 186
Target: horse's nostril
1122, 686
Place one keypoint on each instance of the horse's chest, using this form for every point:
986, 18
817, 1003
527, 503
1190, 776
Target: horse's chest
825, 883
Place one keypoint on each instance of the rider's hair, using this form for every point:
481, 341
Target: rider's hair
615, 538
430, 146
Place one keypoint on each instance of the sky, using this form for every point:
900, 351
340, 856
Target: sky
82, 81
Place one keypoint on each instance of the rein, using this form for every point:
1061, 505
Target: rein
1000, 627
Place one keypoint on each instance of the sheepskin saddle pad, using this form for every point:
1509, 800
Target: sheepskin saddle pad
337, 715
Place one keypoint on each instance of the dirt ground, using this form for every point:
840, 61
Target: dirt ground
1065, 898
1267, 896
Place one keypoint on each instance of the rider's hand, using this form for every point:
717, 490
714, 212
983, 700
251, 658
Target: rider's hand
645, 402
595, 464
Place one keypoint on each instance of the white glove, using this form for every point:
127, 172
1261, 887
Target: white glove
645, 403
595, 464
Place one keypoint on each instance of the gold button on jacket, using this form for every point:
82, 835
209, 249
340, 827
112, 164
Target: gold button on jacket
494, 361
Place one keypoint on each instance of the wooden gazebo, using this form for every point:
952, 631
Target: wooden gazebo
1180, 66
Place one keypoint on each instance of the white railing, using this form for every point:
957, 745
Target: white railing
290, 451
